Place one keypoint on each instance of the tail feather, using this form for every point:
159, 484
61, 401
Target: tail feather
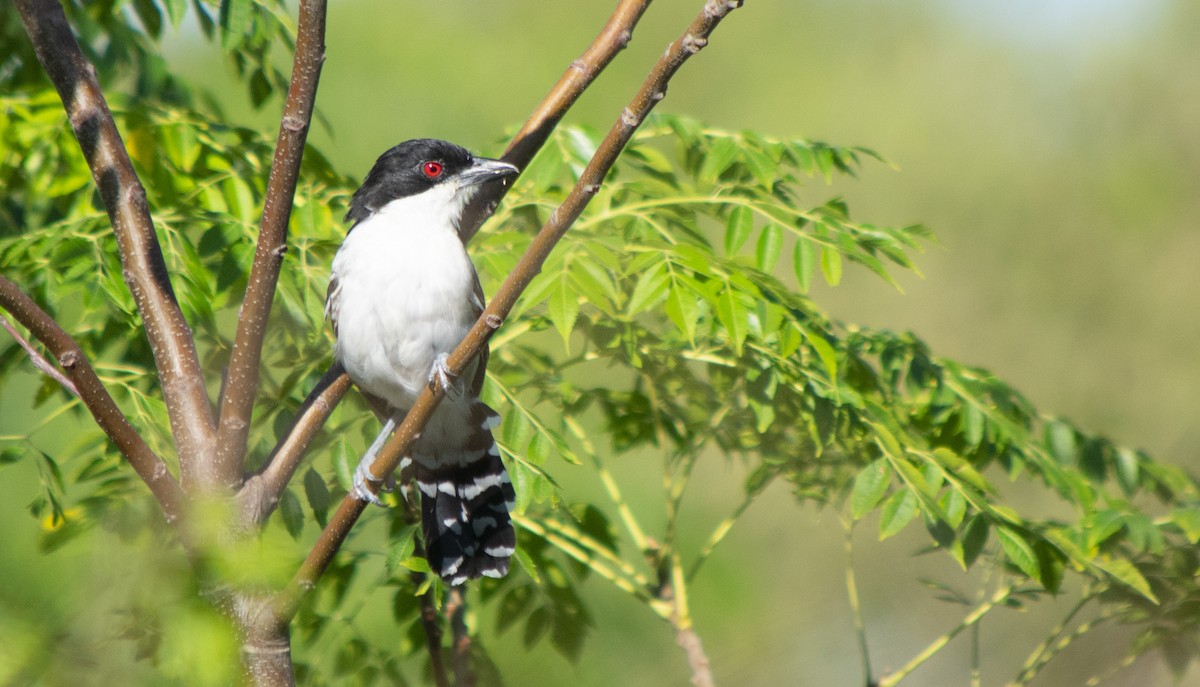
465, 518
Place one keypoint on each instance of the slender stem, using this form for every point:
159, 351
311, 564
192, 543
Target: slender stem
95, 397
124, 199
39, 361
860, 627
723, 528
1101, 677
685, 632
610, 486
594, 548
433, 633
616, 577
973, 617
241, 383
651, 92
1058, 641
456, 613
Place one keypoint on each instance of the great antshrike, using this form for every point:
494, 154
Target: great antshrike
402, 295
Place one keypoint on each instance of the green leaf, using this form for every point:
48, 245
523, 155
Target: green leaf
761, 166
317, 494
176, 9
1050, 566
870, 486
718, 159
235, 22
292, 513
403, 544
1101, 525
770, 243
683, 310
1019, 551
1128, 471
738, 228
10, 455
344, 463
1188, 520
824, 351
804, 260
527, 564
897, 512
733, 316
651, 287
973, 421
972, 541
563, 309
954, 506
1060, 437
150, 16
831, 265
1124, 572
416, 564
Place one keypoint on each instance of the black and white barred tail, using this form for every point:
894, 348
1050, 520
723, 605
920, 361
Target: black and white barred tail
464, 517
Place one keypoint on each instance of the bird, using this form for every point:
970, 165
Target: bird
402, 294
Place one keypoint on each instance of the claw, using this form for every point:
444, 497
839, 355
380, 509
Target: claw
440, 372
362, 474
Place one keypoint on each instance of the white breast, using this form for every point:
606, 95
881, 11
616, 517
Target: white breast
405, 288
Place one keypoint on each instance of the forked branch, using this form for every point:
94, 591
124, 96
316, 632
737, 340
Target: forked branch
651, 92
141, 255
241, 383
95, 397
260, 494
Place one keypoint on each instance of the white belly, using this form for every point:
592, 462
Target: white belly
404, 297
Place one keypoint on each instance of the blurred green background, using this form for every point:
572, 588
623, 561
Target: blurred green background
1053, 146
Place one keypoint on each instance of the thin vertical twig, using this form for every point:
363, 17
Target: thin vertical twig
241, 383
460, 645
860, 627
685, 633
433, 632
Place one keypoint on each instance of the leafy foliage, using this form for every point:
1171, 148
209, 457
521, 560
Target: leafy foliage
673, 321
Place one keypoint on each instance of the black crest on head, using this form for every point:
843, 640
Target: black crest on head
405, 170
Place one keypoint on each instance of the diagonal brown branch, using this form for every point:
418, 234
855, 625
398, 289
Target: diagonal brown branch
653, 90
241, 384
260, 494
95, 397
125, 201
612, 39
582, 72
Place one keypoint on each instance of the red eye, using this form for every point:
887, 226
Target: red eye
432, 170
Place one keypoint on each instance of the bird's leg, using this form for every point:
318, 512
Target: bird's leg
363, 473
440, 373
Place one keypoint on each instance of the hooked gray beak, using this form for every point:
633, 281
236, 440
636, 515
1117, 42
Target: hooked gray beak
484, 170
